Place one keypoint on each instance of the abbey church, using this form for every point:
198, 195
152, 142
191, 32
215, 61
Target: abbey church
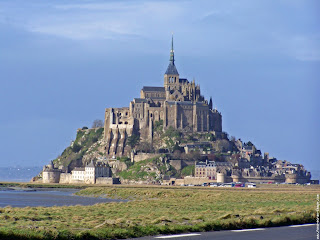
179, 104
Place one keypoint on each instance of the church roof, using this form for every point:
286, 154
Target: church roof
179, 103
183, 80
172, 70
140, 100
153, 89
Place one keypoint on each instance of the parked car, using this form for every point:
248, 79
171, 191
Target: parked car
239, 185
214, 185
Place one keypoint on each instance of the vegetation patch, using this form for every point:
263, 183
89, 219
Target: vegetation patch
162, 210
84, 141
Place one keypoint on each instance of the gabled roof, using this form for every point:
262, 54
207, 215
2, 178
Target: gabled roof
153, 89
91, 164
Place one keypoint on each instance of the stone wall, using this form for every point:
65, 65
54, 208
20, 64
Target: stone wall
187, 181
104, 180
294, 178
107, 180
179, 164
196, 180
278, 179
51, 176
65, 178
143, 156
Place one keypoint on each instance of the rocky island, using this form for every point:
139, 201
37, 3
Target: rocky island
169, 135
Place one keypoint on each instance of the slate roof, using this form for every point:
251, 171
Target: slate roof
183, 80
140, 100
179, 103
153, 89
90, 164
78, 169
172, 70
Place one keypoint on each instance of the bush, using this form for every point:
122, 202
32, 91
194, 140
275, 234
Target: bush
84, 128
188, 171
97, 123
76, 147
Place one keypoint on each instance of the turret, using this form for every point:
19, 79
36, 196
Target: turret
210, 103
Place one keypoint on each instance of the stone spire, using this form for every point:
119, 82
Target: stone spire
172, 70
172, 52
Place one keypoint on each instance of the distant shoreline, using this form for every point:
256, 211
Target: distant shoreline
39, 185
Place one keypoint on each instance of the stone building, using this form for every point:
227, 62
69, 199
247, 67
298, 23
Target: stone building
50, 174
210, 169
179, 104
91, 172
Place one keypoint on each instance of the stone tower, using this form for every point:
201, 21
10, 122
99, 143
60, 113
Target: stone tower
171, 76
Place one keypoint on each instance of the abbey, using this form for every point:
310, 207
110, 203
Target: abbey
178, 104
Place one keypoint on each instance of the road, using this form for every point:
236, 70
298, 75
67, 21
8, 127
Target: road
294, 232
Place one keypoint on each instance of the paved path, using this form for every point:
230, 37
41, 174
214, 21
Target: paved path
294, 232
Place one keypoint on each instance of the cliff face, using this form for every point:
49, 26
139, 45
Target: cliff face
87, 146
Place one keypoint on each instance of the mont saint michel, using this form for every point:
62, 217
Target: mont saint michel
113, 128
169, 135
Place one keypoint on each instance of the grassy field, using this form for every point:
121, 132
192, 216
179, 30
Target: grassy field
162, 210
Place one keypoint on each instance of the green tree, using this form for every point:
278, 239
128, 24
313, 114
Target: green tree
133, 140
158, 126
76, 147
145, 147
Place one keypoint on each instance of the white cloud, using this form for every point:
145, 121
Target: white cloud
215, 25
105, 20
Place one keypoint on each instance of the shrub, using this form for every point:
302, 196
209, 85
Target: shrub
188, 171
76, 147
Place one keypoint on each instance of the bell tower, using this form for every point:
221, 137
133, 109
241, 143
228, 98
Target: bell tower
171, 76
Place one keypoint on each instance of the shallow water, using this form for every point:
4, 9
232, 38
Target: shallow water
46, 198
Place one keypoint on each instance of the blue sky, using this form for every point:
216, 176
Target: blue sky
63, 62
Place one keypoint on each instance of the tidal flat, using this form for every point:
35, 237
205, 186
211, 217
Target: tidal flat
156, 210
45, 197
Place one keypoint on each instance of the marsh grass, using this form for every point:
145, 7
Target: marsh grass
162, 210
